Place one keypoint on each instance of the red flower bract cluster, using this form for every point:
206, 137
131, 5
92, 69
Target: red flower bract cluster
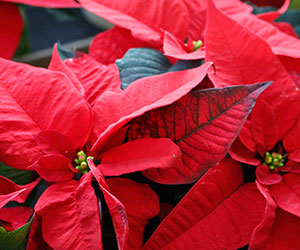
87, 136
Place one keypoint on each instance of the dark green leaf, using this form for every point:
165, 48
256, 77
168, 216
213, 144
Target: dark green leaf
14, 240
21, 177
64, 53
184, 65
142, 62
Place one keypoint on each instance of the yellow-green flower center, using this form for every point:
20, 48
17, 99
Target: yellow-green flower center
197, 45
82, 162
273, 160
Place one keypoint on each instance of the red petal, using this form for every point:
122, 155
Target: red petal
111, 45
115, 207
11, 23
175, 48
203, 124
287, 193
286, 46
241, 154
70, 216
217, 213
144, 19
14, 217
54, 142
241, 61
291, 167
57, 64
96, 78
35, 238
264, 127
278, 229
291, 141
144, 94
36, 99
48, 3
266, 177
54, 168
141, 204
272, 15
140, 155
286, 120
9, 191
246, 137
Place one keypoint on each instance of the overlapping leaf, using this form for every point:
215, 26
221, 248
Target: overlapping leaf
219, 212
202, 123
143, 19
111, 45
285, 46
278, 229
9, 191
113, 110
245, 60
14, 240
70, 214
25, 90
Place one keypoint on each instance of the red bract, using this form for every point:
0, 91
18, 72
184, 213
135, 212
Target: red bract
243, 60
202, 123
219, 198
141, 204
47, 121
278, 228
271, 131
13, 192
11, 28
143, 19
12, 218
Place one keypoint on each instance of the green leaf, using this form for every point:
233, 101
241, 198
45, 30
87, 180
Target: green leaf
21, 177
64, 53
15, 240
142, 62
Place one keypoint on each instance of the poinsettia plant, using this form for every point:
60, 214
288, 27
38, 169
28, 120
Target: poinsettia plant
177, 131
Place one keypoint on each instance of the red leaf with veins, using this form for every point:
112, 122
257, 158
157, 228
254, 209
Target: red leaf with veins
243, 60
285, 46
25, 90
143, 19
11, 24
70, 215
117, 109
141, 204
95, 77
9, 191
219, 212
202, 123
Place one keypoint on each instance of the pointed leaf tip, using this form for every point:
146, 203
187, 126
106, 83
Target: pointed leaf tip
202, 123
